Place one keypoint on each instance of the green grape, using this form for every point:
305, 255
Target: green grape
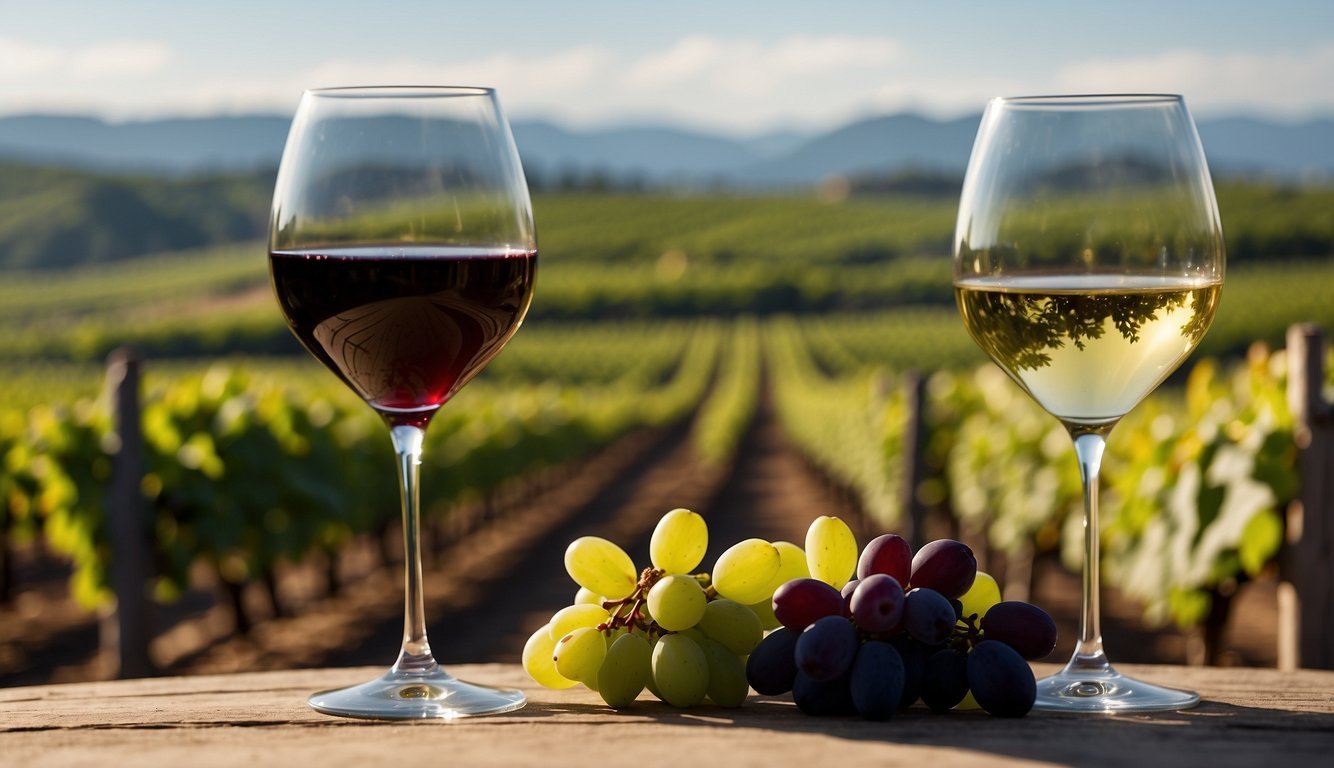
792, 564
572, 617
537, 660
586, 596
579, 654
745, 572
979, 598
680, 671
625, 670
727, 674
679, 541
677, 602
600, 566
831, 551
732, 625
764, 611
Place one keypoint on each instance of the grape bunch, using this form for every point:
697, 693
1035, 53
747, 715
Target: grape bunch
874, 633
682, 635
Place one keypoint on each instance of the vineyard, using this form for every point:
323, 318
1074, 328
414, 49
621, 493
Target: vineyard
695, 320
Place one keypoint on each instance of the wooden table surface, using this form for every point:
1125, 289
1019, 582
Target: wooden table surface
1250, 717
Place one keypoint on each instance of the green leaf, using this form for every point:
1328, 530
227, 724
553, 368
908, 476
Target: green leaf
1260, 541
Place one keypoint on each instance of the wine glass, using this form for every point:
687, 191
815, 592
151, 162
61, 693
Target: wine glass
403, 254
1088, 264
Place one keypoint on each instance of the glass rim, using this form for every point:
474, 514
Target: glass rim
1077, 100
400, 91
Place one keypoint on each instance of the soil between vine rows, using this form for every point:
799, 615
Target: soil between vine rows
493, 587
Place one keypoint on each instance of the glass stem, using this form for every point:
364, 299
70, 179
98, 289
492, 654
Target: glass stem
1089, 657
415, 656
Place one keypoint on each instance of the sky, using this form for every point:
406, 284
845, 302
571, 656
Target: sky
742, 67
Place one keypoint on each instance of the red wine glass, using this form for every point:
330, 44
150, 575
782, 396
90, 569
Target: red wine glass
403, 254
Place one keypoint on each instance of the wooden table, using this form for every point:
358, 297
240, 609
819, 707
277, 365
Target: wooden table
1250, 717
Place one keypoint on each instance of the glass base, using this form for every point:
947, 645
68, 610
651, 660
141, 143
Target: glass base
1107, 691
416, 696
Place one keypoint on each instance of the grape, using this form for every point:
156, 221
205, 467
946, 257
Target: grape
1024, 627
846, 592
677, 602
928, 616
877, 603
945, 565
791, 565
799, 603
573, 617
601, 567
888, 554
625, 670
586, 596
764, 611
727, 674
945, 680
876, 680
680, 671
679, 541
538, 663
1001, 681
579, 654
979, 598
825, 649
772, 666
914, 656
732, 624
823, 697
831, 551
745, 571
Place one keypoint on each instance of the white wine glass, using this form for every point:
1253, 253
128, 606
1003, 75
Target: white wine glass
1088, 264
403, 254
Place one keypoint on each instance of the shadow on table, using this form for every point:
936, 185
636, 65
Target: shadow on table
1215, 734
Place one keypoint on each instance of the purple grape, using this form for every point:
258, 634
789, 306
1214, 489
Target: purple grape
888, 554
847, 591
1000, 679
928, 616
823, 697
914, 657
1024, 627
825, 650
945, 680
800, 602
772, 666
945, 565
877, 603
876, 680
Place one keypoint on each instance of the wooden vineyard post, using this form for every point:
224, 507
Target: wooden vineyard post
125, 631
1306, 588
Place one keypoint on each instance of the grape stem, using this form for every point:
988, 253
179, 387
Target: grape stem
633, 618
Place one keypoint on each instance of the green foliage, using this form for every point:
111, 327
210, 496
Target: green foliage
730, 407
51, 218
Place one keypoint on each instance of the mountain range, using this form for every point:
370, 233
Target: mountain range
877, 145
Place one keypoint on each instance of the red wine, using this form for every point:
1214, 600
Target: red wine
405, 328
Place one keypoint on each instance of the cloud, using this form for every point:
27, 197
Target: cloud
120, 58
21, 59
1283, 82
740, 65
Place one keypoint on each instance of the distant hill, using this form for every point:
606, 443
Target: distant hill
53, 217
649, 154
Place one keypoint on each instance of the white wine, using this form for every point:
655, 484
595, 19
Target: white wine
1088, 348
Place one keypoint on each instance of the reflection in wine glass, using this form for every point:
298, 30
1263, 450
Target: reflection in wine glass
1088, 265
